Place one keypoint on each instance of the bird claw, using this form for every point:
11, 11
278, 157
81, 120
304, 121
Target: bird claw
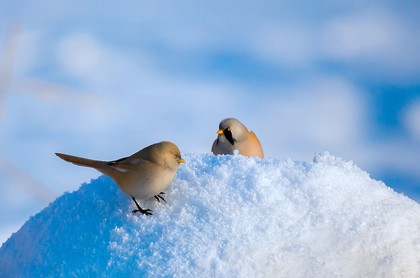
158, 197
139, 209
144, 211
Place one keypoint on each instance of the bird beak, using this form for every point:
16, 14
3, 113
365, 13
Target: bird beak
220, 132
181, 160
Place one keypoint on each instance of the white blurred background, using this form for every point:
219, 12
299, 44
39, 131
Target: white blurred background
102, 80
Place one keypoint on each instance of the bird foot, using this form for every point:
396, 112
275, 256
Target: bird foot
144, 211
139, 209
158, 197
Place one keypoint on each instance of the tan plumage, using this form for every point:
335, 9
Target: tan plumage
142, 175
233, 135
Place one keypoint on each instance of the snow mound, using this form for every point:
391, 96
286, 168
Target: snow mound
227, 216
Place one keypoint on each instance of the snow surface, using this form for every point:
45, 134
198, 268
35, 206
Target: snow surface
227, 216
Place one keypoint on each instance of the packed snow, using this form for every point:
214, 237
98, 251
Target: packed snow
227, 216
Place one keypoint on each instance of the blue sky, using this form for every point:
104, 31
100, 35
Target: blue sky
103, 80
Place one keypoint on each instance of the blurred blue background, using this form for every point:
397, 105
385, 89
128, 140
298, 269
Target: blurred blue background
102, 80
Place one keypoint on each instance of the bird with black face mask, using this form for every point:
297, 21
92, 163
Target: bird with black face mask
233, 135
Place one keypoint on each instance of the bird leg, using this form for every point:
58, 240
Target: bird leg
158, 197
139, 209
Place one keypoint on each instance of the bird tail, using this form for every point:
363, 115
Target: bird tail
82, 161
102, 166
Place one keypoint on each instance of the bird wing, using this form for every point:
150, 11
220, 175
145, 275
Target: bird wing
251, 146
124, 164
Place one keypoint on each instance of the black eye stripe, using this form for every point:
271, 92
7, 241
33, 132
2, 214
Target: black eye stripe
228, 135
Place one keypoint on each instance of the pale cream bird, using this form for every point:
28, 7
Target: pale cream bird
142, 175
233, 135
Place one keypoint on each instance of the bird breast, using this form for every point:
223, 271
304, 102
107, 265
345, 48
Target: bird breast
147, 181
